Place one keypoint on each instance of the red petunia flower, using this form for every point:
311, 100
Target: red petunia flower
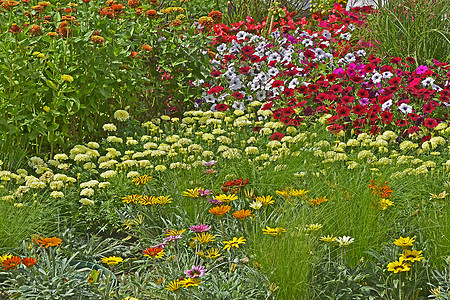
402, 122
387, 117
430, 123
277, 136
221, 107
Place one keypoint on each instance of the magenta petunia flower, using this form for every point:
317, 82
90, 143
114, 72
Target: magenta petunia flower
195, 272
200, 228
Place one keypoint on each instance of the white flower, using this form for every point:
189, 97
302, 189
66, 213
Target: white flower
121, 115
109, 127
160, 168
256, 205
57, 194
405, 108
86, 201
103, 185
87, 192
344, 241
108, 174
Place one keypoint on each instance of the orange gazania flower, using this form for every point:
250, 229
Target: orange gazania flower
220, 210
153, 252
11, 263
29, 261
242, 214
49, 242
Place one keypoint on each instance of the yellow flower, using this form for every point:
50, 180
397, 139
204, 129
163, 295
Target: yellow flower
328, 239
219, 210
213, 253
193, 193
67, 78
175, 232
112, 260
298, 193
314, 227
46, 108
404, 242
383, 204
132, 198
398, 266
242, 214
265, 200
141, 180
226, 198
5, 257
163, 200
204, 238
277, 231
235, 242
173, 286
412, 255
121, 115
190, 282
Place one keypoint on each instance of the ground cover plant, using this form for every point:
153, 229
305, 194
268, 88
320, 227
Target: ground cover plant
302, 168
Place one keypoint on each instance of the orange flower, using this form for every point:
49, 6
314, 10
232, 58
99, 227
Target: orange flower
153, 252
151, 13
206, 22
15, 28
216, 16
220, 210
49, 242
29, 261
35, 30
11, 263
146, 47
96, 39
134, 3
242, 214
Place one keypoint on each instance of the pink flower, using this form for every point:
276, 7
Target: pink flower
200, 228
195, 272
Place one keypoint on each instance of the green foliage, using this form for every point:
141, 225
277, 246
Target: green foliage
41, 106
420, 29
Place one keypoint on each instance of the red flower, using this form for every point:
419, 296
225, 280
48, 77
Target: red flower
29, 261
336, 88
413, 129
387, 117
277, 83
369, 68
430, 123
428, 108
413, 116
410, 60
247, 50
347, 100
359, 109
375, 130
313, 88
395, 80
335, 128
359, 123
257, 128
244, 70
221, 107
237, 95
277, 136
215, 90
343, 111
402, 122
363, 93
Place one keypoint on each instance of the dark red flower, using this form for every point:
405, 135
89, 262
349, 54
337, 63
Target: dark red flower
244, 70
257, 128
369, 68
247, 50
410, 60
430, 123
221, 107
335, 128
363, 93
288, 92
343, 111
386, 117
413, 129
395, 80
336, 88
277, 83
428, 108
413, 116
402, 122
359, 123
313, 88
375, 130
277, 136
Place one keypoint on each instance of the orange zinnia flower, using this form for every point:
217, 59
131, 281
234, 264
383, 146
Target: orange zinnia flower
29, 261
220, 210
242, 214
11, 263
49, 242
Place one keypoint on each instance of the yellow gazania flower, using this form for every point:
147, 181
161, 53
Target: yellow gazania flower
235, 242
283, 193
175, 232
298, 193
112, 260
404, 242
193, 193
146, 200
384, 203
201, 253
328, 238
5, 257
317, 201
213, 253
226, 198
204, 238
190, 282
173, 286
398, 266
314, 227
412, 255
265, 200
131, 198
163, 200
141, 180
277, 231
67, 78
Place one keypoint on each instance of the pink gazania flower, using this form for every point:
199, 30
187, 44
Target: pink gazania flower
213, 201
195, 272
200, 228
210, 171
171, 238
204, 193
